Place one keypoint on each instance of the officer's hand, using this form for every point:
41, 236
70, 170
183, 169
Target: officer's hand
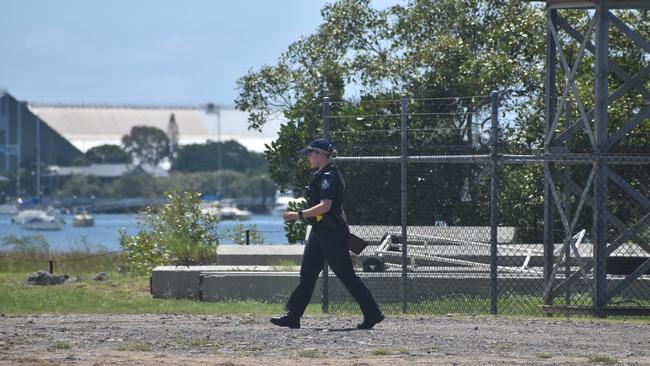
290, 216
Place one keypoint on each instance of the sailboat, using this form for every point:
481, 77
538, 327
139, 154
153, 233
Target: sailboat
38, 219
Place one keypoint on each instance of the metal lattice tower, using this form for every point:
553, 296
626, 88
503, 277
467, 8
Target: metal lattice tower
594, 124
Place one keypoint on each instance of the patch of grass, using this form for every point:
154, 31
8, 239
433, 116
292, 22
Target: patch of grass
284, 265
122, 294
135, 347
196, 342
62, 345
606, 360
309, 353
543, 355
501, 346
380, 351
390, 351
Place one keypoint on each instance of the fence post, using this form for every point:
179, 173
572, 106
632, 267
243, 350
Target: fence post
326, 135
51, 266
248, 236
601, 56
404, 241
494, 101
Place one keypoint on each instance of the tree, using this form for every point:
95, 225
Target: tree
145, 144
427, 49
203, 157
172, 133
83, 186
107, 154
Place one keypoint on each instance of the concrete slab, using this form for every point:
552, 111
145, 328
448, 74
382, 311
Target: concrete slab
268, 255
268, 286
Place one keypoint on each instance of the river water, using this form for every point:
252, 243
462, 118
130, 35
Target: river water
105, 234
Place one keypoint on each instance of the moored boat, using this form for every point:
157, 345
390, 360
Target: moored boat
83, 219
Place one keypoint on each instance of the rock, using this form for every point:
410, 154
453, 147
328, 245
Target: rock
43, 278
101, 276
73, 279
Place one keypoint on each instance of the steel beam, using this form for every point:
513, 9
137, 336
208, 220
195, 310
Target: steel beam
629, 126
549, 111
638, 196
600, 184
635, 81
562, 23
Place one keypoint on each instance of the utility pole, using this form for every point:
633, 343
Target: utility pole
215, 109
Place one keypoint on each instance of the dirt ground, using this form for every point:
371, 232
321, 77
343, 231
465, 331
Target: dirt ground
322, 340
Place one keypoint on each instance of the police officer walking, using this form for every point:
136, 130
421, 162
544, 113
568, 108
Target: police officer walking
327, 241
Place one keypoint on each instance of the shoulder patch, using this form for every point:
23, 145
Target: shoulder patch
324, 184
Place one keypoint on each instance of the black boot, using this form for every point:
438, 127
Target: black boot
371, 321
288, 320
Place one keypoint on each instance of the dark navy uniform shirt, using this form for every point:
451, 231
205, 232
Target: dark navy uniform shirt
327, 183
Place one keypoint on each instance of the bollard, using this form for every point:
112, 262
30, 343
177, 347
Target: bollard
248, 237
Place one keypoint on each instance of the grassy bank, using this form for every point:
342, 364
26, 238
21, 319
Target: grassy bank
129, 294
121, 294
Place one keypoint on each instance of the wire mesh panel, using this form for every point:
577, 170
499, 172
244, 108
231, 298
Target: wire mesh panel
463, 218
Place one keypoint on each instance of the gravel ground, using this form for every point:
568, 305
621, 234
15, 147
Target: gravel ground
322, 340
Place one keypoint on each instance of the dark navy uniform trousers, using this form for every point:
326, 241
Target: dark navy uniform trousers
329, 244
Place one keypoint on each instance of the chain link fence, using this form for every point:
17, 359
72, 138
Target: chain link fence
475, 209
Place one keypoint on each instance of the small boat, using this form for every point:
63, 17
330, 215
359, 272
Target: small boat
83, 219
225, 210
44, 223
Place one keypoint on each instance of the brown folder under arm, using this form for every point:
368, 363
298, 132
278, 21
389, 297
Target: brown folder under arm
356, 244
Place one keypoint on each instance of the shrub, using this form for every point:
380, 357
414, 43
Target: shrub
296, 229
238, 234
178, 234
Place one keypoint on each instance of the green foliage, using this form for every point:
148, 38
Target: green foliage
107, 154
296, 230
431, 49
204, 157
237, 234
136, 184
233, 185
146, 144
179, 233
83, 186
427, 49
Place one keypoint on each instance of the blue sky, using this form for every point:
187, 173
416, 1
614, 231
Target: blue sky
144, 52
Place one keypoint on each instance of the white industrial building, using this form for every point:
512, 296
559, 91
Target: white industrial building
87, 126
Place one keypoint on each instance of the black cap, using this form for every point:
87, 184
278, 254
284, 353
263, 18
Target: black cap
320, 144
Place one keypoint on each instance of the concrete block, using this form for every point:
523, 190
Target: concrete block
268, 255
171, 282
272, 287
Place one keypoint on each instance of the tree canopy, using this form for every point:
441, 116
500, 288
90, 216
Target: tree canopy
205, 157
146, 144
107, 154
363, 58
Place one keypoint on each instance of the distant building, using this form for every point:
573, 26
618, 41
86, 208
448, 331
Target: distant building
89, 126
20, 129
65, 132
107, 172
